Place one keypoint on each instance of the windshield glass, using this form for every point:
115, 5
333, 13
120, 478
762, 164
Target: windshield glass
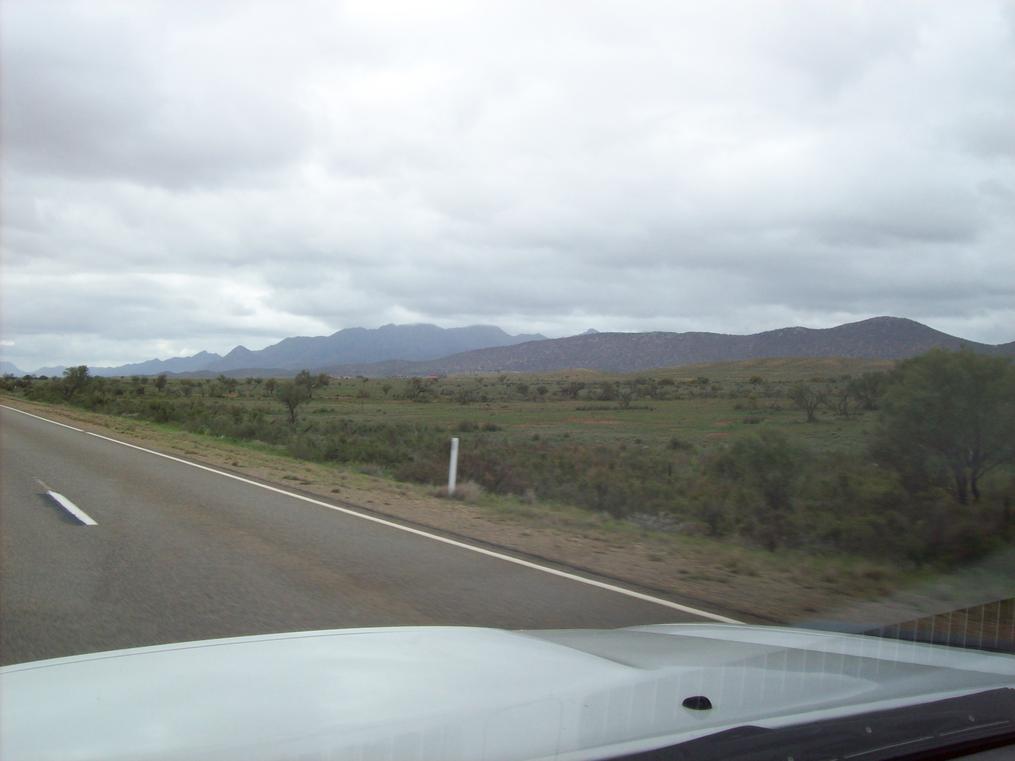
543, 318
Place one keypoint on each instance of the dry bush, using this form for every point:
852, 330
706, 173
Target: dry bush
466, 491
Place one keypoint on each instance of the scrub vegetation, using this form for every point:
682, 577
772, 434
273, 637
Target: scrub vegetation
914, 462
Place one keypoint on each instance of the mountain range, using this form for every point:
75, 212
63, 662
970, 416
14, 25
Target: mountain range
352, 345
9, 368
394, 350
876, 338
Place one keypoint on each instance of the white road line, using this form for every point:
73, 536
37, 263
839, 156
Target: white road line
62, 425
71, 508
408, 529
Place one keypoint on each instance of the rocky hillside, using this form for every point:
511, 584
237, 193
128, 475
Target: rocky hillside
876, 338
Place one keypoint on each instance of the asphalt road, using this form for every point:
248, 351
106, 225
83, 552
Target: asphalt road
179, 553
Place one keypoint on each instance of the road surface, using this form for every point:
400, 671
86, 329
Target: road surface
181, 553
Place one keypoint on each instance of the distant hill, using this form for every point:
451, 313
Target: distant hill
197, 362
9, 368
876, 338
361, 345
51, 372
352, 345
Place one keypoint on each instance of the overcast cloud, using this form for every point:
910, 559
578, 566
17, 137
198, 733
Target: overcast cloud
181, 176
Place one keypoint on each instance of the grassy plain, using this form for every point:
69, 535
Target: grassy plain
702, 414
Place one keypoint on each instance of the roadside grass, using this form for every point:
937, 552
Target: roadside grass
710, 559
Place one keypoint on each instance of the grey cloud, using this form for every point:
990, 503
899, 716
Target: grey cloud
178, 173
118, 95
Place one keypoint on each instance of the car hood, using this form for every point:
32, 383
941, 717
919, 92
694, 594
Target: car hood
462, 693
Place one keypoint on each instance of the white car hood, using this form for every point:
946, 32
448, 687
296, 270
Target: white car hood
461, 693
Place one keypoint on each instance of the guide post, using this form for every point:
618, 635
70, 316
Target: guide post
453, 467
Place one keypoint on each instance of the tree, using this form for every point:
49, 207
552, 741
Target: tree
310, 382
808, 399
867, 389
74, 379
763, 471
292, 395
839, 399
224, 385
608, 392
572, 389
953, 413
303, 377
160, 382
416, 390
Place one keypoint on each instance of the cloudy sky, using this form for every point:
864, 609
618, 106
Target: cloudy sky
180, 176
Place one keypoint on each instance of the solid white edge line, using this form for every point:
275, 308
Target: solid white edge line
38, 417
408, 529
71, 508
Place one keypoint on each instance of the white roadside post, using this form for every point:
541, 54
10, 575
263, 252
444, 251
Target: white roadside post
453, 467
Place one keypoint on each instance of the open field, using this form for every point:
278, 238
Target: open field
701, 404
700, 416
